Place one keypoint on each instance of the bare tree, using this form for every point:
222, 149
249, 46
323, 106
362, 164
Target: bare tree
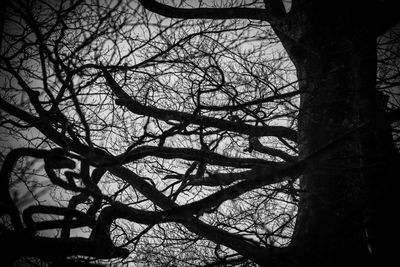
196, 134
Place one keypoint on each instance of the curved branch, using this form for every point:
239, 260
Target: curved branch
5, 174
168, 115
82, 218
206, 13
252, 179
191, 155
97, 174
118, 210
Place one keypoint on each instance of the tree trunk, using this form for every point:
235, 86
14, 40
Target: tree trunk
349, 193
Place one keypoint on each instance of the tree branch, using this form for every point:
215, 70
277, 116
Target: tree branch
168, 115
82, 218
257, 146
206, 13
221, 179
191, 155
253, 179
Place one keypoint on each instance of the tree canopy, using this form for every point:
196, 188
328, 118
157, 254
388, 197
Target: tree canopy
152, 134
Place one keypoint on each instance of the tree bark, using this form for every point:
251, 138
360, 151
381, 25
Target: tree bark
349, 194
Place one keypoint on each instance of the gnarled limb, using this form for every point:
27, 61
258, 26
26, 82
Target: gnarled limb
167, 115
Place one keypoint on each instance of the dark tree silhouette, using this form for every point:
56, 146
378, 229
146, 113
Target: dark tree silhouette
195, 134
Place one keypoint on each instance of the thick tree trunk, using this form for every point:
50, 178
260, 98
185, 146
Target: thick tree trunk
330, 219
349, 193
